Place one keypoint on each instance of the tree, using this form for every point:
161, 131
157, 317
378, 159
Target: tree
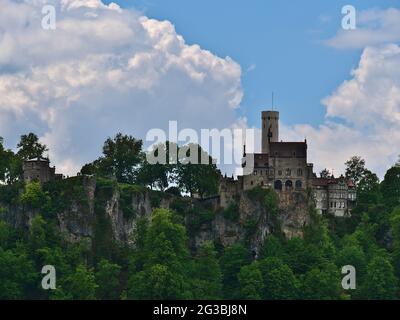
37, 233
251, 282
272, 247
17, 275
390, 188
353, 255
160, 174
107, 278
368, 190
33, 195
325, 173
207, 273
166, 261
279, 280
195, 176
29, 147
355, 169
122, 156
321, 283
233, 259
10, 165
381, 283
80, 285
395, 229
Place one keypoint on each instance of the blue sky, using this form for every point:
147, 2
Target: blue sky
284, 40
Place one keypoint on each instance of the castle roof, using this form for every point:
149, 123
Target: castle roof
288, 149
39, 159
321, 182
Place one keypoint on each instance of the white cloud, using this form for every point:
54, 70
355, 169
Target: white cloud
363, 115
374, 27
103, 70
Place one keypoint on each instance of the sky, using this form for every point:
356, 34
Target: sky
133, 65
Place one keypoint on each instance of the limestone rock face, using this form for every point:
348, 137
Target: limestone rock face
120, 210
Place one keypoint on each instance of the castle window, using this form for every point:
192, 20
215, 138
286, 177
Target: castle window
299, 172
288, 185
278, 185
288, 172
279, 172
251, 182
298, 184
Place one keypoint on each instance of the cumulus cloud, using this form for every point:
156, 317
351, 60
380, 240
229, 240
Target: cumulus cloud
374, 27
104, 69
362, 117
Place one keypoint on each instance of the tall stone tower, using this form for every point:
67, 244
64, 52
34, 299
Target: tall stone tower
270, 129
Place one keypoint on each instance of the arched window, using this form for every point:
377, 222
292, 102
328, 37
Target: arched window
278, 185
298, 184
288, 185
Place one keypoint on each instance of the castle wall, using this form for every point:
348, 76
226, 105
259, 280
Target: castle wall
38, 171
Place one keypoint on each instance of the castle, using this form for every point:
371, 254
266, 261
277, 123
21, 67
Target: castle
38, 169
283, 166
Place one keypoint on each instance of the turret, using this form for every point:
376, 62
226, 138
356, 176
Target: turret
270, 129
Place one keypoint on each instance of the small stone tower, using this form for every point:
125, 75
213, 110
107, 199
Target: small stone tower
38, 169
270, 129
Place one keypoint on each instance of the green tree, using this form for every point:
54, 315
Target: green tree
107, 278
194, 175
251, 282
37, 233
233, 259
353, 255
29, 147
321, 283
166, 261
10, 165
160, 172
122, 156
207, 273
17, 275
33, 196
368, 190
380, 282
390, 187
79, 285
279, 280
395, 229
355, 169
272, 247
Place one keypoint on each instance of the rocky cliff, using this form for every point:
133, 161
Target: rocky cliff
101, 210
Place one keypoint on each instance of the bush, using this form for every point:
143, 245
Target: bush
232, 213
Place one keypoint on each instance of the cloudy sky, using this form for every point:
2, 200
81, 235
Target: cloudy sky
134, 65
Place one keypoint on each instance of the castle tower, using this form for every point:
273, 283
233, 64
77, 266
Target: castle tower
270, 129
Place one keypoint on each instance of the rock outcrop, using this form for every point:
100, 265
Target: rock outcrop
90, 204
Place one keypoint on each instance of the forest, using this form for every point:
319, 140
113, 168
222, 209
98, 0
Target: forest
161, 265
